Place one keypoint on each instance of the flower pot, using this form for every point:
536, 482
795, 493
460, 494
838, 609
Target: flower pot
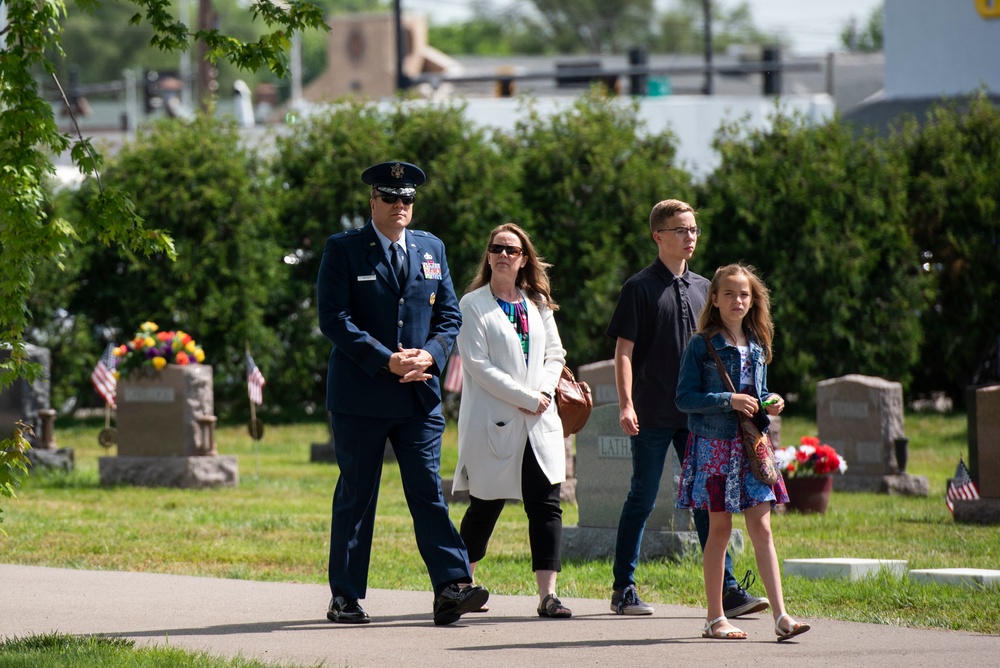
809, 495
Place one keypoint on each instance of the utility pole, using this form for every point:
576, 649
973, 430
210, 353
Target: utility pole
207, 85
402, 81
708, 88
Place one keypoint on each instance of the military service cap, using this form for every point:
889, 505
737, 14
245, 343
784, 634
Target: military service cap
394, 178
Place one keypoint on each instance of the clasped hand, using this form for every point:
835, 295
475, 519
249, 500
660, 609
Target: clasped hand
411, 364
543, 404
747, 404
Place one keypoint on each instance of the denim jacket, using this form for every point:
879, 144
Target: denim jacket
700, 390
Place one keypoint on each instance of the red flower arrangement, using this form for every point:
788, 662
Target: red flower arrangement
810, 459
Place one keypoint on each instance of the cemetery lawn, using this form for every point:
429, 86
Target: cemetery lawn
275, 526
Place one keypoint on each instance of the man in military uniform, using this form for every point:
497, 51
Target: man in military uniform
387, 303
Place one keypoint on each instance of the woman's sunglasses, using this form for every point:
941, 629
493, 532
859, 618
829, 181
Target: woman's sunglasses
496, 249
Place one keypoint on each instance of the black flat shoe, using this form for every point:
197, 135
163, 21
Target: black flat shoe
346, 611
552, 607
455, 601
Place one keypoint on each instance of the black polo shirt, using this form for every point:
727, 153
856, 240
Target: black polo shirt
658, 312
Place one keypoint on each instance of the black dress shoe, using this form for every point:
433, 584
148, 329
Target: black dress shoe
455, 601
346, 611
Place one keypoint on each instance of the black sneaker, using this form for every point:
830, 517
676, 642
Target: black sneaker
627, 602
455, 601
737, 602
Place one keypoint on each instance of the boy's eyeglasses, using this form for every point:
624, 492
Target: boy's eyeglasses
682, 232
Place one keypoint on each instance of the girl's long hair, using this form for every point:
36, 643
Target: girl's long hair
532, 278
757, 322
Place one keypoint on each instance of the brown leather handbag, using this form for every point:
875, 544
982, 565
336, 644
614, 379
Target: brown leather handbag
574, 402
756, 442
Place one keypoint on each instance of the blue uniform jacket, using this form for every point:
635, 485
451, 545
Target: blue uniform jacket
366, 316
700, 390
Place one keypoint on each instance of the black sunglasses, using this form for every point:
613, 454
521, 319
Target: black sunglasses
391, 199
496, 249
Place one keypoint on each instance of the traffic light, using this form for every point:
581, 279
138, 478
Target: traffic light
153, 96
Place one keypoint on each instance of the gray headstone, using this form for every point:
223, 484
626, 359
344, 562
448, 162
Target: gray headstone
604, 473
158, 411
984, 440
861, 417
22, 400
601, 378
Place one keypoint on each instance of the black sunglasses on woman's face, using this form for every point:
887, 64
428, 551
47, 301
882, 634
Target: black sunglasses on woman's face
496, 249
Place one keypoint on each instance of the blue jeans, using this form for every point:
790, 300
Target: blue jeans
649, 455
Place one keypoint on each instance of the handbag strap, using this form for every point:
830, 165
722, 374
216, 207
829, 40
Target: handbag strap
718, 362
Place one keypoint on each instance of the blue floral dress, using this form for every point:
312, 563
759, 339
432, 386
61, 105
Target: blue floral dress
716, 475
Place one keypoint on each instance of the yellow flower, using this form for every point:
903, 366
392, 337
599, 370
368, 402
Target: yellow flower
149, 342
148, 327
190, 347
117, 375
199, 355
159, 363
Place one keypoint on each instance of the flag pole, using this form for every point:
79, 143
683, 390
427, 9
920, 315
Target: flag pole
253, 428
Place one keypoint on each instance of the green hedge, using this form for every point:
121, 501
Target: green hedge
880, 253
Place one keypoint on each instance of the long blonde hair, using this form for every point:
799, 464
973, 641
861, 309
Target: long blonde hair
757, 321
532, 278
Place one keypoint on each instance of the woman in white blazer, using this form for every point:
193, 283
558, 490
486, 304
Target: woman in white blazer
510, 442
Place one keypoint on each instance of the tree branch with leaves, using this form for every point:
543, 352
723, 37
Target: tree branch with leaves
30, 137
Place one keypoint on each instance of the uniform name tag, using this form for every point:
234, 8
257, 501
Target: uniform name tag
369, 277
432, 271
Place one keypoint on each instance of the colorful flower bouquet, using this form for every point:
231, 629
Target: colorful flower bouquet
811, 459
150, 347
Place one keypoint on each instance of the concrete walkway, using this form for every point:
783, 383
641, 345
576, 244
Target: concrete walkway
280, 622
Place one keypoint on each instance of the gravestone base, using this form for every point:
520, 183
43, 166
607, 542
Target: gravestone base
973, 578
183, 472
977, 511
61, 459
902, 484
844, 569
324, 453
599, 543
453, 497
905, 484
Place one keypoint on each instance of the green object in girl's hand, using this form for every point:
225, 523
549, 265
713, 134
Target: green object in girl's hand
772, 400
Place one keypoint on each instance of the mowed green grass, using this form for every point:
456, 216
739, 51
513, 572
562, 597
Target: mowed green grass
275, 526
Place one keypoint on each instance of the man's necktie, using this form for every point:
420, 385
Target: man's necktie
398, 264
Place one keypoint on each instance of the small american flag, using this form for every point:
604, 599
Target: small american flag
255, 381
453, 378
103, 376
960, 487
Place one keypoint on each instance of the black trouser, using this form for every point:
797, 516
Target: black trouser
541, 505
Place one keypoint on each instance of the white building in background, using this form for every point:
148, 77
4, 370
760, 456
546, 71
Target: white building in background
934, 49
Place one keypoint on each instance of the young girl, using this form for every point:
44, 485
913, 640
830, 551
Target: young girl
716, 474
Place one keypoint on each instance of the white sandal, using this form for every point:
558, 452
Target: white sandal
795, 629
732, 634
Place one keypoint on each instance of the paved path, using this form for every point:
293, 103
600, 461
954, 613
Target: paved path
281, 622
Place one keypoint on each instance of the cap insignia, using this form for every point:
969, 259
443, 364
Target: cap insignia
397, 171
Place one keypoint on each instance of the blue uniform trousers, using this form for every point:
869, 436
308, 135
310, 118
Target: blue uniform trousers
360, 447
